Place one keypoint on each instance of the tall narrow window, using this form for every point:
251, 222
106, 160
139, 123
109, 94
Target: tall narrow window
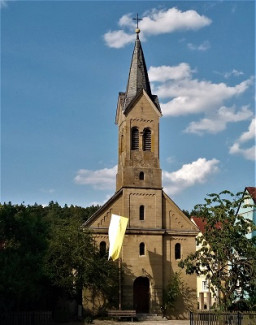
177, 251
141, 176
142, 212
142, 249
205, 286
147, 139
135, 139
103, 248
122, 143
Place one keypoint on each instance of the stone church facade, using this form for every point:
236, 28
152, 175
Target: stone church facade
158, 234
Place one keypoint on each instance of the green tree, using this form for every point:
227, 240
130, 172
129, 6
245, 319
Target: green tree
23, 245
227, 257
69, 255
73, 262
187, 213
171, 293
45, 252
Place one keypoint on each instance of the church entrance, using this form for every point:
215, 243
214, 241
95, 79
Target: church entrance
141, 295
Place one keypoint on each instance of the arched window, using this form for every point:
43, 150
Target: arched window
177, 251
135, 139
142, 210
142, 249
103, 248
141, 176
147, 139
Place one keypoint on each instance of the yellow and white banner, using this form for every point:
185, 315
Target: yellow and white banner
116, 233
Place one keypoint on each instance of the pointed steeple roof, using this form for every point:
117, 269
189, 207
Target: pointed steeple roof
138, 76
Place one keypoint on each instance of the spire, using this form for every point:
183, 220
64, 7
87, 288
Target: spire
138, 76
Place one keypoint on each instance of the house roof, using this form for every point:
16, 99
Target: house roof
252, 192
201, 223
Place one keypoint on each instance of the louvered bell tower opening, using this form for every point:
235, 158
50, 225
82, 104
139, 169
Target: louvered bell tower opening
147, 140
135, 139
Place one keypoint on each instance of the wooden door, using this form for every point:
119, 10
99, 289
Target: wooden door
141, 295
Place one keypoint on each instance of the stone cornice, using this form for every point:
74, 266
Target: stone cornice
140, 231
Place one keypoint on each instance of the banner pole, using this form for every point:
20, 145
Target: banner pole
119, 289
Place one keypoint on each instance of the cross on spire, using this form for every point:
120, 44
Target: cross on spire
137, 20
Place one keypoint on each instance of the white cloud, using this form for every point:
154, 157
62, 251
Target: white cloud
228, 74
156, 22
184, 95
197, 172
164, 73
118, 38
170, 20
247, 153
190, 96
102, 179
218, 122
127, 21
250, 134
201, 47
234, 72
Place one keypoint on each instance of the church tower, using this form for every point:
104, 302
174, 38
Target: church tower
158, 233
137, 117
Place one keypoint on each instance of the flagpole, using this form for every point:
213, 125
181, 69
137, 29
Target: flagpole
119, 286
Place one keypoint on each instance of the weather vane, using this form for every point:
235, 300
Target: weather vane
137, 22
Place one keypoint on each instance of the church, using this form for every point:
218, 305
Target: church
158, 234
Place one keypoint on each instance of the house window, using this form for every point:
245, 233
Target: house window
147, 139
141, 176
205, 286
135, 139
177, 251
142, 210
103, 248
142, 249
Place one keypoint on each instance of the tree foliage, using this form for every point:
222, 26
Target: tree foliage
172, 292
23, 245
45, 251
73, 261
227, 257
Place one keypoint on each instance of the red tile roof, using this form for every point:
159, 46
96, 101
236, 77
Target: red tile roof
201, 223
252, 192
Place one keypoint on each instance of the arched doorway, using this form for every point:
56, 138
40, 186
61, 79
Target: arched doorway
141, 295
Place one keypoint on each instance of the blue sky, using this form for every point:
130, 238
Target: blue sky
63, 64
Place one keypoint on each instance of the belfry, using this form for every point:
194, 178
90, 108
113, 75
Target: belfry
158, 234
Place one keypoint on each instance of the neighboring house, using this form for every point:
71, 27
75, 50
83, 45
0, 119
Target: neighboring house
248, 209
158, 234
204, 294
